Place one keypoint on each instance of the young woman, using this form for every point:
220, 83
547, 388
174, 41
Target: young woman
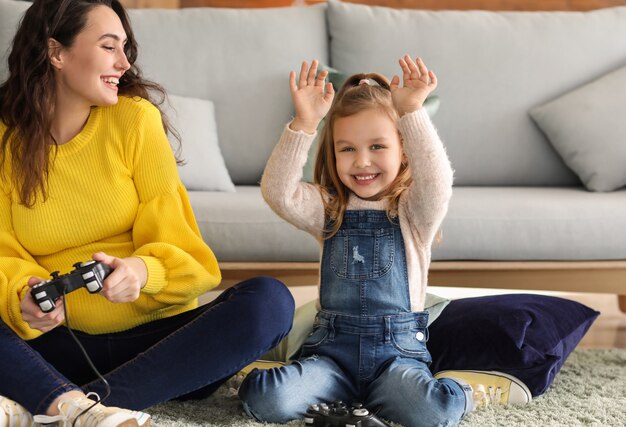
88, 174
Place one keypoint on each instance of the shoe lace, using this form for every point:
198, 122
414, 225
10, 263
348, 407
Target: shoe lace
71, 410
486, 395
16, 415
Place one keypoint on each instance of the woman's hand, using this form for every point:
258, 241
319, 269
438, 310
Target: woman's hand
310, 100
124, 283
37, 319
419, 82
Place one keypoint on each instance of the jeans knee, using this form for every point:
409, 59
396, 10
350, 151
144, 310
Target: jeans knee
266, 402
270, 306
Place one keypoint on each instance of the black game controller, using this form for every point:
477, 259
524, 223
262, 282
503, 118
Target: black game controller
338, 414
89, 274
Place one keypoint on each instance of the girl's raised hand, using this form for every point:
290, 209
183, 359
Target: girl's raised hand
312, 97
419, 81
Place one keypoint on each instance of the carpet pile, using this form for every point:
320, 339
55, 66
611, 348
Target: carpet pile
590, 390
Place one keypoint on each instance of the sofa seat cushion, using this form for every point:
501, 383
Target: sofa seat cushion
240, 226
483, 223
533, 223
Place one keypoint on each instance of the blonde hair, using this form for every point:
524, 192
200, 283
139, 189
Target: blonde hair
353, 97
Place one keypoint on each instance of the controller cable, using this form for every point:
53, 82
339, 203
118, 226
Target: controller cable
89, 361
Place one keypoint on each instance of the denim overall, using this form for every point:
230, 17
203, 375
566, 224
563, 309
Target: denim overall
366, 345
364, 296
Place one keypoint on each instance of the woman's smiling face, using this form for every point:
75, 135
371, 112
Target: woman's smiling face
89, 71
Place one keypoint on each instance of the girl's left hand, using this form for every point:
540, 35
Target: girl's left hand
419, 82
124, 283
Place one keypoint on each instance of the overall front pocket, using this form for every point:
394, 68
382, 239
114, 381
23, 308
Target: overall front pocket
362, 253
411, 342
316, 338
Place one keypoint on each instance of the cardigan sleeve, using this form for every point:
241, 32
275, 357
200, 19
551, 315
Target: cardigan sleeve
297, 202
426, 202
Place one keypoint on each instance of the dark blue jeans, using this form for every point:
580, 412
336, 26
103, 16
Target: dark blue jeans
186, 356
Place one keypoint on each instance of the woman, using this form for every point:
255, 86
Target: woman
88, 173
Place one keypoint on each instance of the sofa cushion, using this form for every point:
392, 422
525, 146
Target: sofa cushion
240, 226
492, 68
528, 336
10, 14
194, 120
586, 126
533, 223
483, 223
239, 59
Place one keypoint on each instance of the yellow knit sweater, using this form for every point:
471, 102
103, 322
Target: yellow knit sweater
113, 188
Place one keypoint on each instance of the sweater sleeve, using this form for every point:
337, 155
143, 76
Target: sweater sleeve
16, 267
165, 233
426, 203
299, 203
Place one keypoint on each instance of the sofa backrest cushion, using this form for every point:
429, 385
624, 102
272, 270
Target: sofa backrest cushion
237, 58
240, 60
493, 67
10, 14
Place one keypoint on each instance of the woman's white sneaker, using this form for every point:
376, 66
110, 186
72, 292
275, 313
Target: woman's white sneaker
97, 416
12, 414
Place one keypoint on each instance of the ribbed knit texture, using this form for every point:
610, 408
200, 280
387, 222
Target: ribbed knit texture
112, 188
421, 209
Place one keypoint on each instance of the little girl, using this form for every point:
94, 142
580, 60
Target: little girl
382, 187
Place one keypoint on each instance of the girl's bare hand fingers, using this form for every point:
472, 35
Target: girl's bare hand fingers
433, 78
321, 78
422, 67
312, 73
406, 72
304, 69
415, 73
293, 87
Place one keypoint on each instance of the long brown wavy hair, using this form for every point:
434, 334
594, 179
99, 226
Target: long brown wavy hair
27, 97
351, 99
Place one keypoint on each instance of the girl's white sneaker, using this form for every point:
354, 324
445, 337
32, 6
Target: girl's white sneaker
491, 387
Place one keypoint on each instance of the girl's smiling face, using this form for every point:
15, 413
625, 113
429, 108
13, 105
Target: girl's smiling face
368, 152
89, 71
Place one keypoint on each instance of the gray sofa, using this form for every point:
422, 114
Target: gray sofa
522, 214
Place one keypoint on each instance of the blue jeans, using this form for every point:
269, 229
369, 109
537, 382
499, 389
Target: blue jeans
185, 356
380, 361
366, 345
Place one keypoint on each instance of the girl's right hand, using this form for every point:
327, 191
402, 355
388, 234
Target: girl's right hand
310, 100
37, 319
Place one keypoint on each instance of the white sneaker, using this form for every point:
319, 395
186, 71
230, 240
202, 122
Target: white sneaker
71, 415
12, 414
491, 387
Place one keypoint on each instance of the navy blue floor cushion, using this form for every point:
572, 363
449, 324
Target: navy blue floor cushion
528, 336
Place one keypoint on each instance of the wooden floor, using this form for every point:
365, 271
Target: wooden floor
609, 329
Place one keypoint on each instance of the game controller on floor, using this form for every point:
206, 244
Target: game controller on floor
338, 414
89, 274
